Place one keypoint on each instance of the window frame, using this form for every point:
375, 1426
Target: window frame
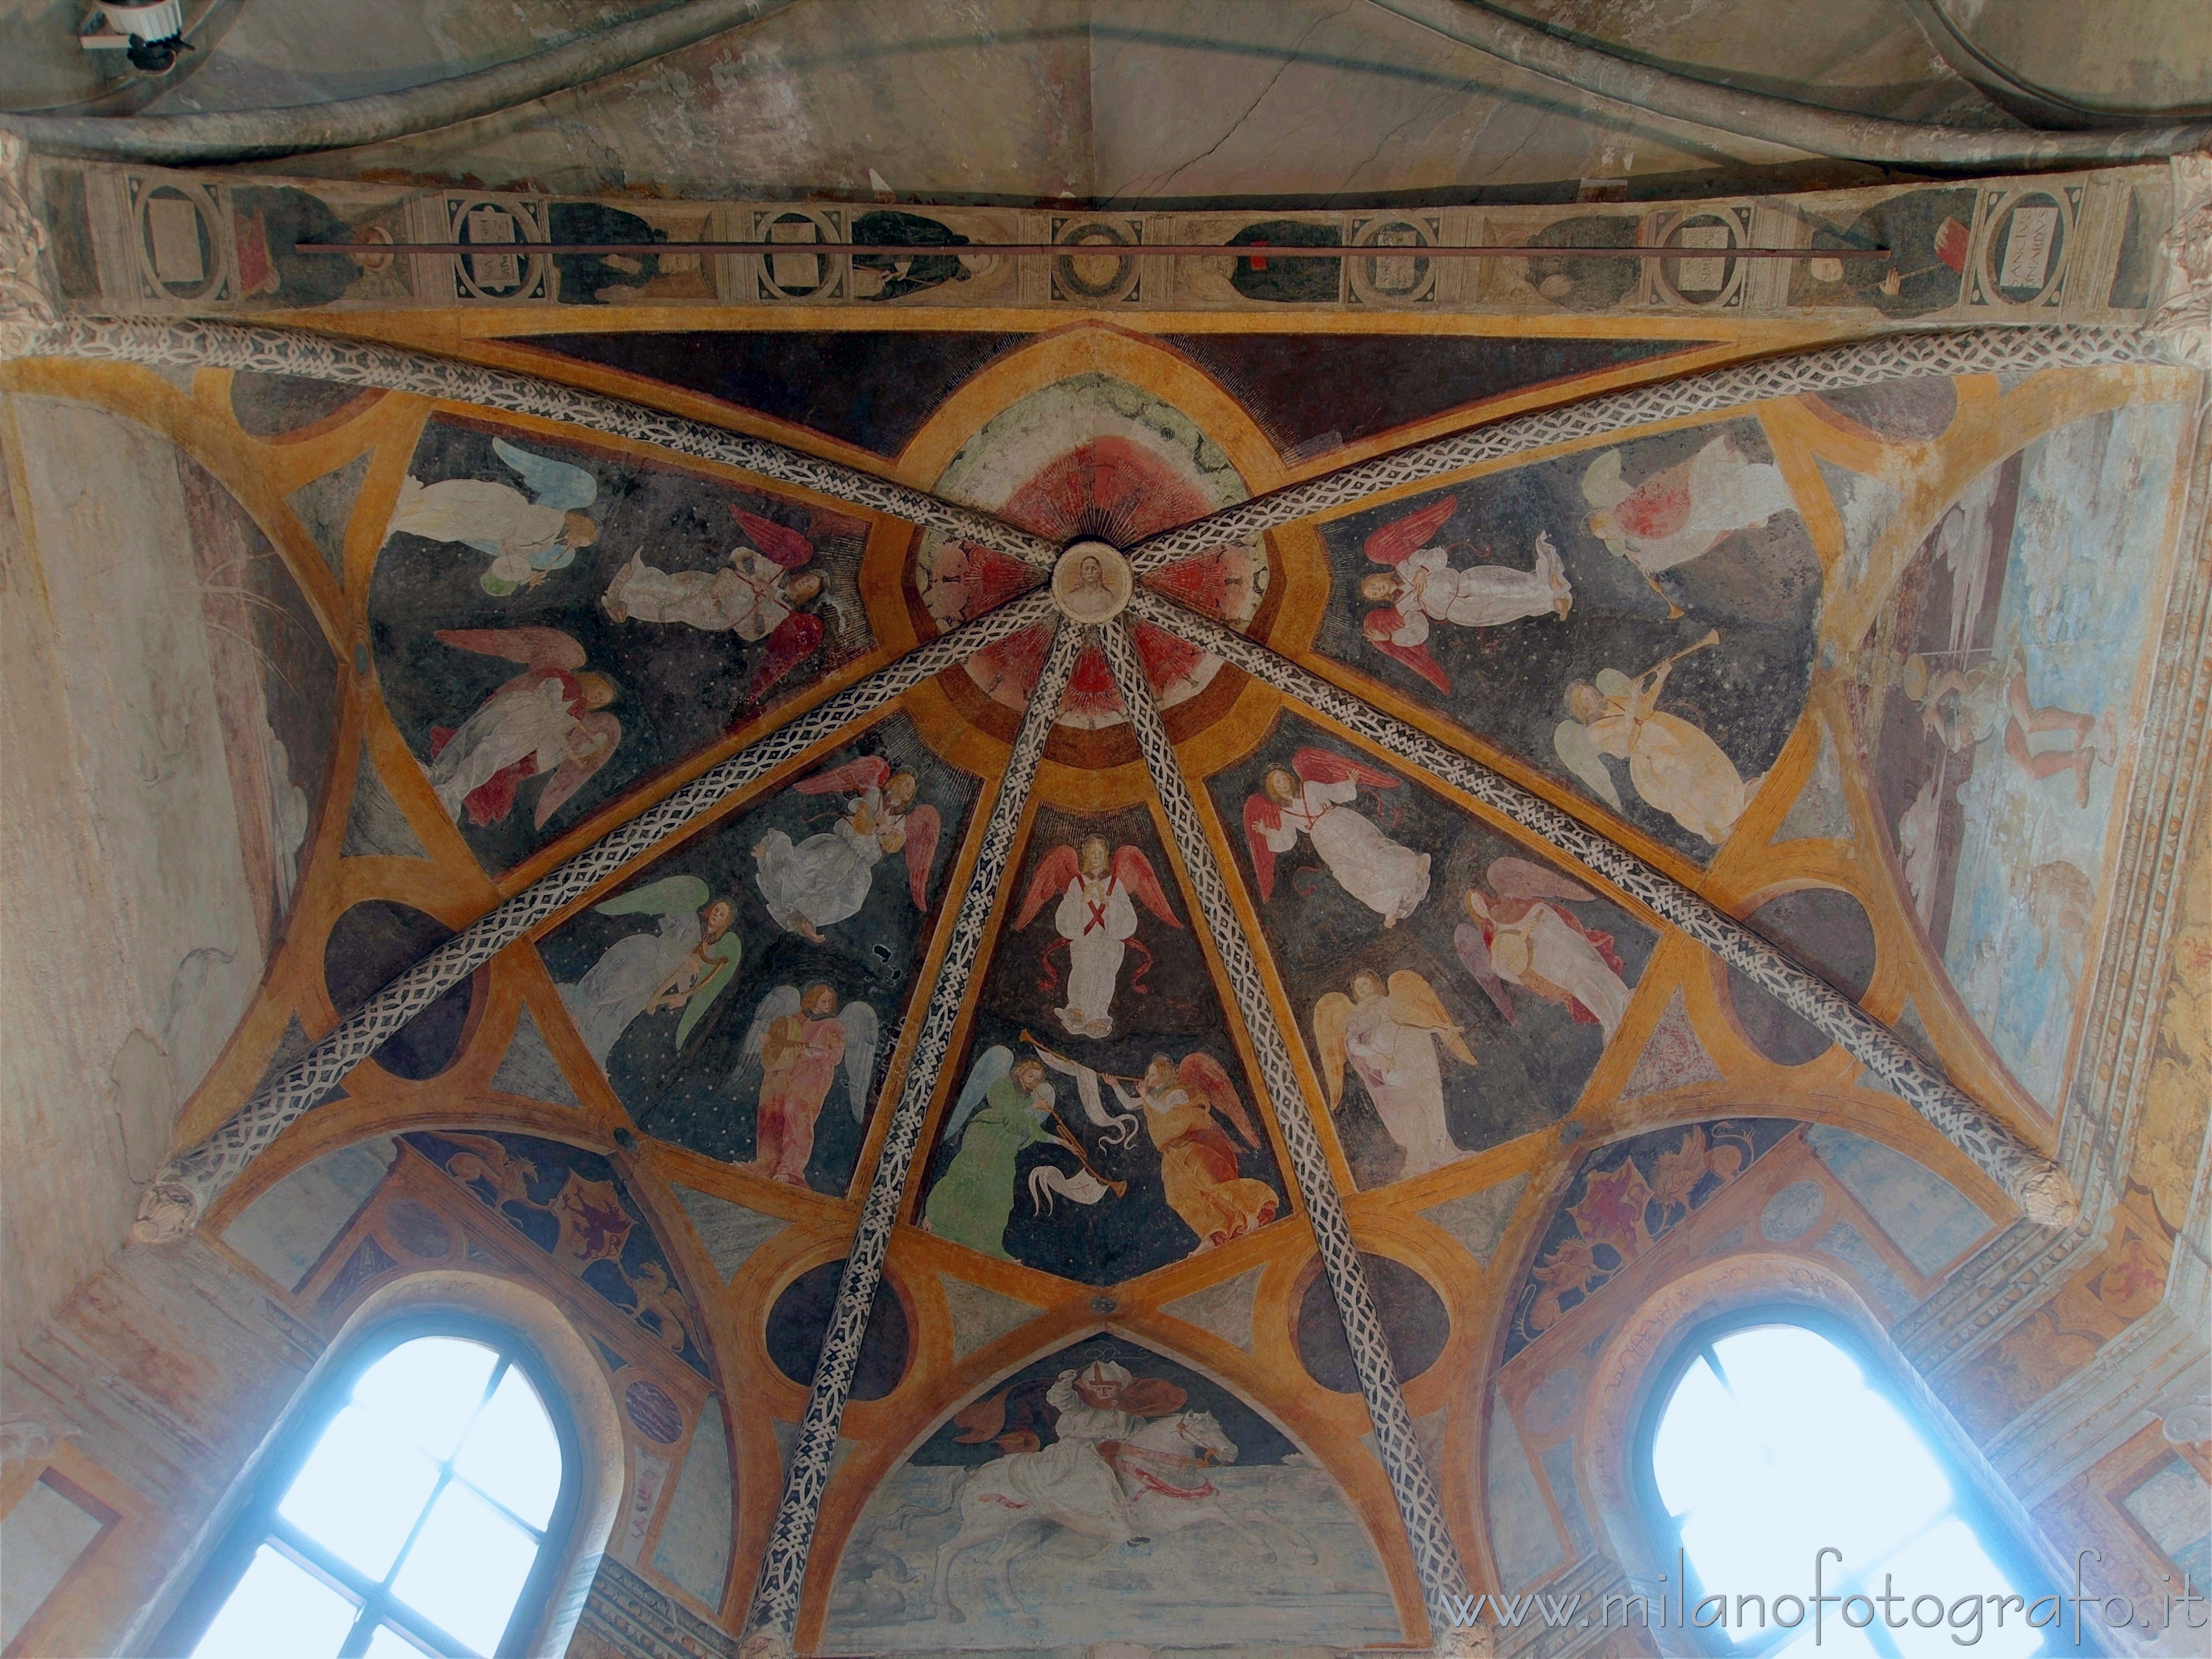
1690, 1345
257, 1522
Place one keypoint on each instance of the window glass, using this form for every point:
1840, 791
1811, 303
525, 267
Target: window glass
1774, 1445
413, 1523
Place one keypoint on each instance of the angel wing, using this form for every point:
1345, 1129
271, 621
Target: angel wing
556, 485
572, 774
1574, 745
1474, 956
1602, 487
1203, 1078
1401, 537
853, 777
1054, 872
995, 1063
1261, 817
790, 643
538, 648
726, 950
1381, 624
1327, 766
1414, 1002
1330, 1016
1511, 878
778, 1003
779, 543
1134, 872
671, 896
923, 829
858, 1019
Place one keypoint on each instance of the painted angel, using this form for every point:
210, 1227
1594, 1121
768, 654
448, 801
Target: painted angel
826, 877
1313, 796
1519, 933
1189, 1110
528, 537
1418, 585
685, 962
1389, 1034
546, 721
796, 1046
1674, 765
1002, 1111
756, 596
1684, 511
1098, 891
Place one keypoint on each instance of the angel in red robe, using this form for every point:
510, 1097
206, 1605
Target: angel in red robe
1099, 892
546, 720
827, 878
1313, 796
1418, 585
756, 596
1520, 933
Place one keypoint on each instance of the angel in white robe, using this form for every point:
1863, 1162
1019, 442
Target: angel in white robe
528, 537
826, 877
797, 1045
1674, 765
1389, 1034
684, 963
546, 720
756, 596
1420, 586
1683, 511
1313, 796
1519, 933
1099, 891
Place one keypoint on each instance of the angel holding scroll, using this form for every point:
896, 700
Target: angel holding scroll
1313, 796
1418, 585
1099, 890
826, 877
1519, 933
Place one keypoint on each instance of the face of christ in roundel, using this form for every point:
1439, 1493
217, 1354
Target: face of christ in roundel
1091, 582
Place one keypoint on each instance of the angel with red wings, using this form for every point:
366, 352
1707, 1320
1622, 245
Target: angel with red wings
756, 596
1418, 585
1198, 1160
544, 721
1314, 797
827, 878
1520, 933
1099, 891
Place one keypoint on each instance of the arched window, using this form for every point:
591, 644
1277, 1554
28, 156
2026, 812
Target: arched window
420, 1510
1772, 1438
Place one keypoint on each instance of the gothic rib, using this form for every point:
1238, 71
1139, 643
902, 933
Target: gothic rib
2014, 349
181, 1192
192, 343
2036, 1184
774, 1610
1444, 1578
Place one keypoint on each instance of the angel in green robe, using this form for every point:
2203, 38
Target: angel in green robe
974, 1199
684, 963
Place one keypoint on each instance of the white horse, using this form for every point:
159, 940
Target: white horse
1162, 1476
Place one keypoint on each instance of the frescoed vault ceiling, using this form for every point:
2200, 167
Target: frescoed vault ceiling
1516, 758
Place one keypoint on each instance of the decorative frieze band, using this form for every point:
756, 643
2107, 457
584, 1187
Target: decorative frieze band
1443, 1578
2037, 1185
185, 343
1867, 362
172, 1206
774, 1610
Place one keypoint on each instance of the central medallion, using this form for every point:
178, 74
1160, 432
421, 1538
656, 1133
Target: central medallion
1091, 582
